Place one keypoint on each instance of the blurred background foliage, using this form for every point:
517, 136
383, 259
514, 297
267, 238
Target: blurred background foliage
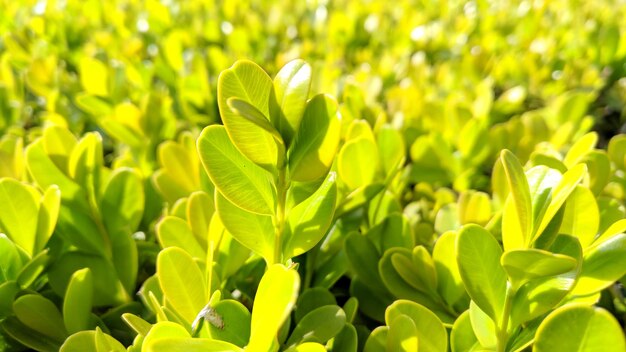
451, 82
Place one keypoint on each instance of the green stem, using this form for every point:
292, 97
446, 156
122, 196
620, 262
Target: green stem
279, 220
502, 330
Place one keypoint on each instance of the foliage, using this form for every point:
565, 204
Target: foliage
404, 176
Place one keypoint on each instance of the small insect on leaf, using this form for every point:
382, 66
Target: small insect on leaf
209, 314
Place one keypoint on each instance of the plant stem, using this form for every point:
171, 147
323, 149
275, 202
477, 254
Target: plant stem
501, 331
279, 220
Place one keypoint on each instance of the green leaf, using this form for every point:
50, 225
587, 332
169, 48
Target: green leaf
309, 221
93, 104
173, 231
19, 208
86, 162
140, 326
478, 256
350, 307
235, 322
517, 220
377, 340
450, 284
357, 162
616, 228
164, 330
41, 315
11, 262
617, 151
105, 343
177, 344
603, 264
288, 97
319, 325
578, 150
93, 76
404, 280
46, 173
77, 301
58, 143
274, 300
393, 231
122, 202
579, 328
91, 341
76, 226
541, 295
200, 210
431, 333
178, 166
599, 166
560, 193
238, 179
523, 265
108, 290
182, 282
483, 327
474, 207
31, 271
252, 114
247, 81
307, 347
402, 335
358, 198
48, 215
8, 291
363, 258
29, 337
346, 340
312, 298
256, 232
317, 139
391, 148
462, 338
581, 217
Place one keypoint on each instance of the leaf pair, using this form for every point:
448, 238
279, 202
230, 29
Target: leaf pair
527, 215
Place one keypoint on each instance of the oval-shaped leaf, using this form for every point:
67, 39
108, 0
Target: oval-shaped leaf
256, 232
19, 208
357, 162
579, 328
247, 81
77, 301
603, 264
173, 231
308, 221
41, 315
182, 282
462, 338
48, 215
233, 324
478, 256
402, 335
241, 181
319, 325
516, 232
273, 302
316, 141
581, 217
431, 334
288, 97
123, 201
523, 265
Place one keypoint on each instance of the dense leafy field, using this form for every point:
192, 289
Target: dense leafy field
312, 175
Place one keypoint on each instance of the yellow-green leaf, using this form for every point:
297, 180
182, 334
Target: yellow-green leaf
238, 179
